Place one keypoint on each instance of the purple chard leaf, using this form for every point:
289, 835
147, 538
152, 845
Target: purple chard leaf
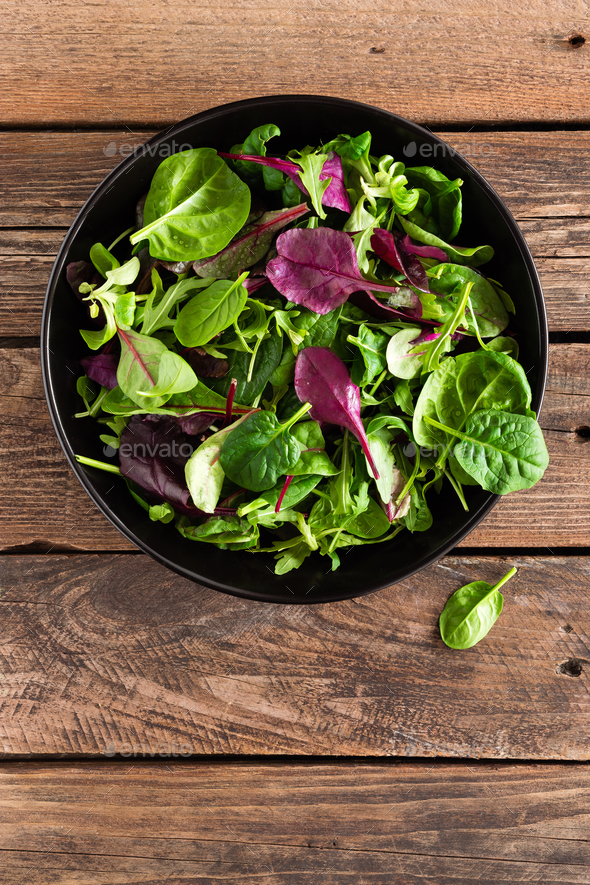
318, 269
102, 368
335, 196
248, 248
322, 379
424, 251
390, 247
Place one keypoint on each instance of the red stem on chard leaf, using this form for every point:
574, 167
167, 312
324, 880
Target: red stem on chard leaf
288, 480
229, 402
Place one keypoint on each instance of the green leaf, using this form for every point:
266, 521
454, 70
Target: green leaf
313, 457
174, 376
161, 512
445, 196
311, 165
125, 309
402, 359
260, 450
102, 259
371, 359
501, 451
211, 311
266, 361
203, 471
297, 491
156, 312
195, 205
460, 255
227, 532
142, 360
471, 612
490, 313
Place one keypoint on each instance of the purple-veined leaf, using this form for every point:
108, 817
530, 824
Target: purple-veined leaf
390, 247
318, 269
322, 379
102, 368
335, 195
254, 283
424, 251
248, 248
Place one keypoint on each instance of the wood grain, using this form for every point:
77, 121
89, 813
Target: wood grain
45, 504
102, 651
293, 824
434, 63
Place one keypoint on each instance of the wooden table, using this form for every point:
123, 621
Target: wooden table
155, 731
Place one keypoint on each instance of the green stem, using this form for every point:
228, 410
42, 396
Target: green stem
408, 486
378, 382
299, 414
447, 330
457, 486
102, 465
472, 312
120, 237
506, 578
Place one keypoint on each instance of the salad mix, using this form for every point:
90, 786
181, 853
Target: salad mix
290, 354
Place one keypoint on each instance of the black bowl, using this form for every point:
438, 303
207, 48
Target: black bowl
303, 119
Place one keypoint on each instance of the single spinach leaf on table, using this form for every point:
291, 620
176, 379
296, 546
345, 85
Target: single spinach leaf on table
471, 612
195, 205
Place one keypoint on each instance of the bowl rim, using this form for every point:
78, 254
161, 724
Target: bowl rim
120, 170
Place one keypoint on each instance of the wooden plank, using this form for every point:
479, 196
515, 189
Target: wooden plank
47, 176
292, 824
45, 504
444, 72
102, 651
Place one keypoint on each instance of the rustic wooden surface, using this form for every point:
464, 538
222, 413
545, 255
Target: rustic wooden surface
99, 652
104, 652
384, 824
153, 64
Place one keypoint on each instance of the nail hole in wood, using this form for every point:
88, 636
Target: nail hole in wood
583, 431
377, 50
568, 628
571, 667
576, 40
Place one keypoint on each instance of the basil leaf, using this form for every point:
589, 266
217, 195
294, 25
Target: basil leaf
195, 205
471, 612
210, 312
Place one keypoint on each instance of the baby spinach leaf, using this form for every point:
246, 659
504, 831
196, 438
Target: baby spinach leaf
102, 259
370, 360
502, 451
211, 311
490, 313
471, 612
267, 358
313, 458
297, 491
260, 450
195, 205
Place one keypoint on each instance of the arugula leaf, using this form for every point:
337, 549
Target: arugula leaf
471, 612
